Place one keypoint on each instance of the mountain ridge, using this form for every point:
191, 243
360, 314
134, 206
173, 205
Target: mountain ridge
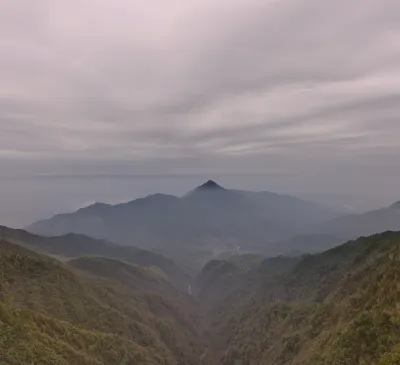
73, 245
192, 227
351, 226
60, 313
336, 307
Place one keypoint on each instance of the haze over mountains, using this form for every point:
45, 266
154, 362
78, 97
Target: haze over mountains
211, 220
71, 299
354, 225
206, 220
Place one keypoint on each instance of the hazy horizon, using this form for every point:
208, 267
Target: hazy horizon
298, 97
39, 198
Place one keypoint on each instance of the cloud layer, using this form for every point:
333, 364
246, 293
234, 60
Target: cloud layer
300, 87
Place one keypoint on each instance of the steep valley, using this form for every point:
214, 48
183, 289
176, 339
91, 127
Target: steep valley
337, 307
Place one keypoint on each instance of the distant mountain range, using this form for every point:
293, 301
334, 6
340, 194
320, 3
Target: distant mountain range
342, 228
207, 220
352, 226
211, 220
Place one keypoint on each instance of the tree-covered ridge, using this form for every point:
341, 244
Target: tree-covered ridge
27, 337
74, 245
338, 307
55, 313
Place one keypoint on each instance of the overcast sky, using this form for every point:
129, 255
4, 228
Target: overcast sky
299, 96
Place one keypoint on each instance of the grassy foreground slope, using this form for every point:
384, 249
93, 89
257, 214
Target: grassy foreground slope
58, 313
341, 307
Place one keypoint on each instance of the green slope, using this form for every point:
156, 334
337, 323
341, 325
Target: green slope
55, 313
340, 307
27, 337
74, 245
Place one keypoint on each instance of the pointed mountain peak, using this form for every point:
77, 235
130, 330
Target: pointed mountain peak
210, 185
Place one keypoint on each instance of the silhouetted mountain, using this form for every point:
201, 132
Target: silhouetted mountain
208, 219
210, 185
356, 225
73, 245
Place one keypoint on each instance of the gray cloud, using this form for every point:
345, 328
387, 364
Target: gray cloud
296, 88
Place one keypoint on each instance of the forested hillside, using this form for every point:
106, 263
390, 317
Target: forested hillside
74, 245
91, 311
338, 307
